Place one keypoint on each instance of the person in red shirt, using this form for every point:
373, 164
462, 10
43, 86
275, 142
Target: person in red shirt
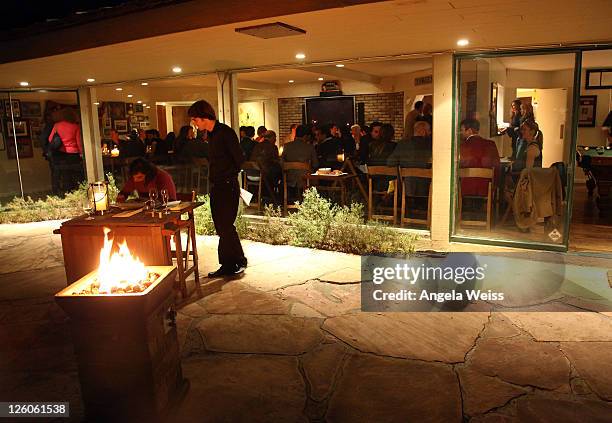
67, 159
144, 176
478, 152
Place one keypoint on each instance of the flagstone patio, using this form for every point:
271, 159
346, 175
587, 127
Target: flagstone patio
288, 343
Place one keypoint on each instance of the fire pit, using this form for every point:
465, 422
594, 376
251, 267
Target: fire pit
125, 339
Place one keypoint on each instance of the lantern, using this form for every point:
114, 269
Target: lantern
98, 195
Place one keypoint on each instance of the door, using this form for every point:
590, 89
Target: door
550, 111
180, 117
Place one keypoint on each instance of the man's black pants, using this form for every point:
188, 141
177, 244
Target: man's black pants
224, 208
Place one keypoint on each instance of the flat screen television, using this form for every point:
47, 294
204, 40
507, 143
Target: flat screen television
323, 110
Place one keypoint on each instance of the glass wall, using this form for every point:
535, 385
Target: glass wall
28, 169
514, 148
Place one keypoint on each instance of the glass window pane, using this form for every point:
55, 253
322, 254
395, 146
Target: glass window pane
514, 138
9, 180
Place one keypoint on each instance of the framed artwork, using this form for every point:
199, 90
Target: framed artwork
31, 109
140, 118
24, 148
108, 123
129, 108
138, 108
144, 124
21, 128
16, 108
121, 126
251, 113
116, 110
598, 79
134, 120
587, 110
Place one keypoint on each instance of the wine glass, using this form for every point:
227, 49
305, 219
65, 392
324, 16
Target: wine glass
152, 197
87, 207
164, 198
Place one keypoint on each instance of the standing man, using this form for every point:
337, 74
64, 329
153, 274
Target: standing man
411, 119
225, 157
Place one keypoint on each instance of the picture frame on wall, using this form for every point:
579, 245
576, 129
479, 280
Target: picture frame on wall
35, 131
138, 108
116, 110
129, 109
251, 113
108, 123
21, 128
144, 124
121, 126
587, 111
16, 108
133, 120
24, 148
31, 109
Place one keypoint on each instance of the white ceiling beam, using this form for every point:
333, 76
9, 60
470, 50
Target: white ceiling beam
245, 84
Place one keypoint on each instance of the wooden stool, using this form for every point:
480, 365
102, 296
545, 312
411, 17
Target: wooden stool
289, 166
484, 173
415, 173
382, 171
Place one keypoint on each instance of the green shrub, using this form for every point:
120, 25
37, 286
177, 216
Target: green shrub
272, 230
310, 224
24, 210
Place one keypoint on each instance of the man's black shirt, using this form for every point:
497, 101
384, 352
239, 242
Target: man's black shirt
225, 154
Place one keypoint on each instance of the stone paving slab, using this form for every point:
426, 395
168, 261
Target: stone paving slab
558, 326
593, 362
377, 389
260, 334
521, 361
236, 298
443, 337
321, 368
541, 409
327, 299
229, 388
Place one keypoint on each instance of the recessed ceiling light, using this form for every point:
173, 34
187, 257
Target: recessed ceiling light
91, 80
96, 103
144, 105
139, 101
148, 107
320, 78
144, 83
291, 81
300, 56
119, 89
130, 95
24, 83
462, 42
340, 65
177, 69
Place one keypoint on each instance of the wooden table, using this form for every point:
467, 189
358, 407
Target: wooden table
148, 237
338, 183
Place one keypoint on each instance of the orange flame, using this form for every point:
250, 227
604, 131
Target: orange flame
118, 270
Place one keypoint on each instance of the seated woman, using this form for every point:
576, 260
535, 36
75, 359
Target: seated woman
265, 154
144, 176
529, 148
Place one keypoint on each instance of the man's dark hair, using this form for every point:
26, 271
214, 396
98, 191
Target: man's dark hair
202, 109
249, 131
144, 166
243, 129
418, 105
325, 130
470, 123
375, 123
261, 130
303, 130
387, 132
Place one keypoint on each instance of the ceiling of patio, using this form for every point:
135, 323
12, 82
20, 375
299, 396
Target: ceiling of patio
376, 29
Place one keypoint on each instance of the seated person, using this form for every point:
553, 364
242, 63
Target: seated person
185, 134
144, 176
194, 149
327, 147
299, 150
247, 143
476, 152
111, 142
414, 152
265, 154
379, 149
528, 151
132, 147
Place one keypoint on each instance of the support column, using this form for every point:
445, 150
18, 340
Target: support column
91, 134
227, 96
442, 149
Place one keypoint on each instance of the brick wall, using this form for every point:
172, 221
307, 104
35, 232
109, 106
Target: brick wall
384, 107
